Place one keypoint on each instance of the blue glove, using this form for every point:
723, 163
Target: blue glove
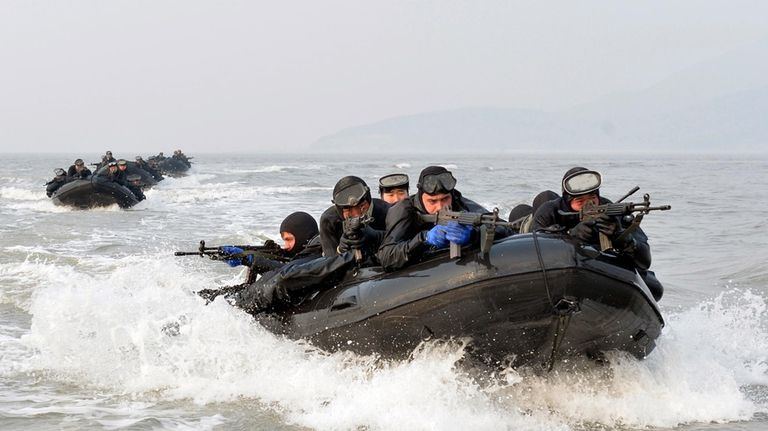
458, 233
436, 237
236, 261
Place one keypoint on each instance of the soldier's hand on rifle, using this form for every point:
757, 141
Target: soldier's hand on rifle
458, 233
347, 243
236, 261
357, 240
607, 225
436, 237
583, 231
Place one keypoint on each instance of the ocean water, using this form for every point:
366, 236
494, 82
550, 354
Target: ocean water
100, 327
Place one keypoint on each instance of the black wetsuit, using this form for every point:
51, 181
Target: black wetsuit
152, 171
54, 184
82, 175
261, 294
405, 238
549, 218
332, 227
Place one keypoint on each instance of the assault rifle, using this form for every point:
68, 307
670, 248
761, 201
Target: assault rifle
269, 250
591, 212
353, 228
487, 223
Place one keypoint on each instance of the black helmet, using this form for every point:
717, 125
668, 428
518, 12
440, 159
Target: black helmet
350, 191
60, 172
109, 153
79, 162
139, 159
393, 181
580, 181
122, 162
436, 179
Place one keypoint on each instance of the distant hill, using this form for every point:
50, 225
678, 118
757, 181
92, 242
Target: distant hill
470, 129
716, 106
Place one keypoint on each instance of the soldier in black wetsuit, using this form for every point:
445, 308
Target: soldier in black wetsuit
122, 179
300, 243
408, 237
78, 171
111, 173
59, 180
343, 249
581, 186
393, 188
352, 198
142, 164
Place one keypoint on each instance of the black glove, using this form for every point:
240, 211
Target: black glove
607, 225
583, 231
356, 240
261, 264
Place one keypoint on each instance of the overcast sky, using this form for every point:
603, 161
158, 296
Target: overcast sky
152, 76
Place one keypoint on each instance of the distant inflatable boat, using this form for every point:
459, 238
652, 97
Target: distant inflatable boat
89, 193
533, 299
172, 167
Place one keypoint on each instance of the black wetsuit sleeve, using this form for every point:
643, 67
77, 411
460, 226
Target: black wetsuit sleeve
330, 231
72, 171
546, 216
300, 279
380, 211
640, 251
262, 264
404, 240
52, 186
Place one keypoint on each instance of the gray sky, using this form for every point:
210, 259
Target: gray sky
150, 76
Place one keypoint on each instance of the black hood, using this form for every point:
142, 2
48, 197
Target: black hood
303, 226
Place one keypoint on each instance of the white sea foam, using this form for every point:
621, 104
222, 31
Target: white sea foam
22, 194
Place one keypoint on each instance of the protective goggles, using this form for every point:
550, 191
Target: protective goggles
350, 196
440, 183
59, 172
581, 183
392, 181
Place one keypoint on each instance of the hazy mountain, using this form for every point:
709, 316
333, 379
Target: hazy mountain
470, 129
714, 106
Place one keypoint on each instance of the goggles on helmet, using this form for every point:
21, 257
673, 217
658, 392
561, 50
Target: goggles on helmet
350, 196
393, 181
582, 183
441, 183
59, 172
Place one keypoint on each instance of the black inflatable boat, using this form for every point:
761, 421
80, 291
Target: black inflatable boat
172, 167
533, 299
93, 193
